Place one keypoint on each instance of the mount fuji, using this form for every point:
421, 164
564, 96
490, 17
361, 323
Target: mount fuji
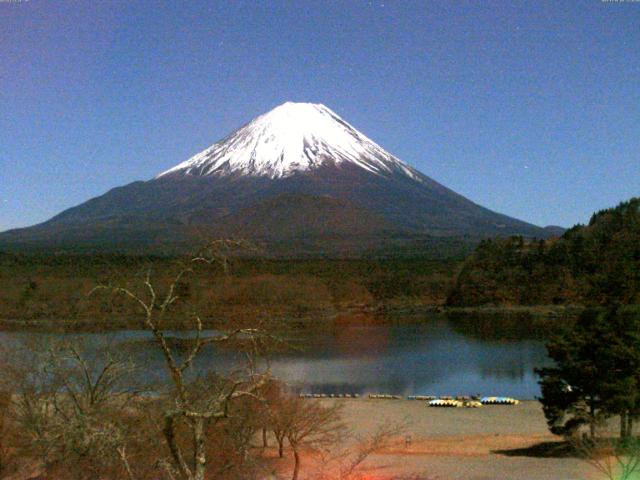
291, 138
298, 176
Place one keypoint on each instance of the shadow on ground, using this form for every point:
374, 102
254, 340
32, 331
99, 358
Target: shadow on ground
542, 450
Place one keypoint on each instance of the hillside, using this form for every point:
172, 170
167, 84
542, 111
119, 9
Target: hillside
597, 263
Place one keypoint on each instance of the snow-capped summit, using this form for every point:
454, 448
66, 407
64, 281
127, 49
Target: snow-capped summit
292, 137
298, 180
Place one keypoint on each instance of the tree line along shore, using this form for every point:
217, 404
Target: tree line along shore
588, 265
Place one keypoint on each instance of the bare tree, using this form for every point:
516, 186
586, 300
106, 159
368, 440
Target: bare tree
195, 411
348, 463
311, 425
76, 412
276, 415
70, 411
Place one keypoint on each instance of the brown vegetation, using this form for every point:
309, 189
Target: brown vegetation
52, 290
82, 415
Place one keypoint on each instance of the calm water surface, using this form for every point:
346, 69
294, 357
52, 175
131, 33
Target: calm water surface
431, 358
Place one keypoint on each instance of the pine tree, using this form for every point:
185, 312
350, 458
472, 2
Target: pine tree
596, 373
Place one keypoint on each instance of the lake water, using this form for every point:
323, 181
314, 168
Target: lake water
431, 358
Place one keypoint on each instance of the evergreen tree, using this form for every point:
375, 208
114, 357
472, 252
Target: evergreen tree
596, 264
596, 373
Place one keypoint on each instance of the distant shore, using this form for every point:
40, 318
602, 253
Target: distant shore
381, 314
384, 314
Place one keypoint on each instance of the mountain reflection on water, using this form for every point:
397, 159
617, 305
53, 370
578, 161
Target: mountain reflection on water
434, 357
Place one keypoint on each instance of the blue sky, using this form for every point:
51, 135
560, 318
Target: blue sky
529, 108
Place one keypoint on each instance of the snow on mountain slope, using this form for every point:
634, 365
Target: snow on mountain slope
291, 138
298, 176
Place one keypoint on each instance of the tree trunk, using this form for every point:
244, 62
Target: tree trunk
200, 456
592, 421
629, 425
296, 465
122, 453
264, 438
176, 453
623, 424
281, 447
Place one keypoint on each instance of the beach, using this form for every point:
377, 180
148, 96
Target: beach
487, 443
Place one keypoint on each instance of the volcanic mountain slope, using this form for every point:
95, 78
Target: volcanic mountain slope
298, 171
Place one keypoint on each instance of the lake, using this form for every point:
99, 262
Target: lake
434, 357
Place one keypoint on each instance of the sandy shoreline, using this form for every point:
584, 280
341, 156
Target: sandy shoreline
488, 443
